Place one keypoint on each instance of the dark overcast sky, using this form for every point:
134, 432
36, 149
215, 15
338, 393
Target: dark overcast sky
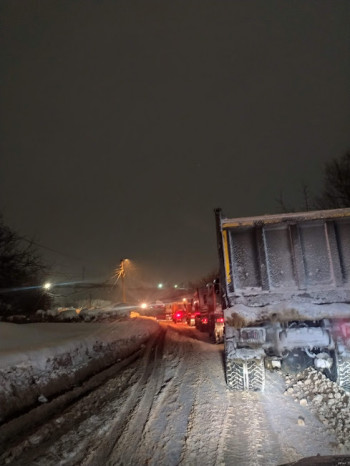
124, 123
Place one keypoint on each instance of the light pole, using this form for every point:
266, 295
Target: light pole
121, 274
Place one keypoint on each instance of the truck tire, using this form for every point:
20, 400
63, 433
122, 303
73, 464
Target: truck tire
256, 374
343, 379
245, 374
234, 374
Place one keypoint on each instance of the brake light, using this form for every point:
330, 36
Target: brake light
220, 320
204, 320
178, 314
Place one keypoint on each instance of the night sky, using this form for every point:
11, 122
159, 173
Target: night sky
125, 123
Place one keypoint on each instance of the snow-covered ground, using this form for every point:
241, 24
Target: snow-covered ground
40, 360
164, 402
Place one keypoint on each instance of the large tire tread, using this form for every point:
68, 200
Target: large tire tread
245, 374
256, 374
344, 373
234, 375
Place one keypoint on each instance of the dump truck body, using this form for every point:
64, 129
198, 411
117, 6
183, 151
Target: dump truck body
285, 282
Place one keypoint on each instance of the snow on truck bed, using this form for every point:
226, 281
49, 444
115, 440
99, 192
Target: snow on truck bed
241, 315
39, 360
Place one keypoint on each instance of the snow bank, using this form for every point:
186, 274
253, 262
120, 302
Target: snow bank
68, 315
105, 313
47, 358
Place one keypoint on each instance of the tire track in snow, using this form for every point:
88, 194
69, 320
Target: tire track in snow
248, 438
132, 439
66, 411
208, 411
107, 450
172, 407
189, 445
165, 432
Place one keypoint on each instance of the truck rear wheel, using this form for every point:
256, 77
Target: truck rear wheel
244, 374
343, 379
234, 374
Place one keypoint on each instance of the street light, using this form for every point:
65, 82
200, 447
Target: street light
47, 286
120, 272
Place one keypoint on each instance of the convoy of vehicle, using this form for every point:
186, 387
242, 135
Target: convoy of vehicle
285, 286
203, 311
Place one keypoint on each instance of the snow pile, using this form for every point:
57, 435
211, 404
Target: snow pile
48, 358
70, 314
326, 399
106, 313
109, 312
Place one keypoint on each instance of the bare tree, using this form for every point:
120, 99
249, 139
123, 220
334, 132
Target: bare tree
21, 271
308, 203
336, 184
282, 204
335, 192
208, 278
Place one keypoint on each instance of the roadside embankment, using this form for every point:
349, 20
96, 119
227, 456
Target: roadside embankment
39, 361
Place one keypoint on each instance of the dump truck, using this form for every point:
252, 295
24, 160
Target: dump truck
285, 284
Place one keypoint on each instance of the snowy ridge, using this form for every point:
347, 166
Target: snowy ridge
39, 360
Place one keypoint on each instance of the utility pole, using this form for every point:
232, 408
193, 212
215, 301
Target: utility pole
123, 281
121, 274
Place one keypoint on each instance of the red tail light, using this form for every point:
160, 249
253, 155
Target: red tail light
204, 320
220, 320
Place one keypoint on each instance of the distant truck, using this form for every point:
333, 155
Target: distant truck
285, 283
179, 312
209, 311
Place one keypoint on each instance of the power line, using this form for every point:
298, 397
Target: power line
49, 249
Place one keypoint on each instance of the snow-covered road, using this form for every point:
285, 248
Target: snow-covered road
169, 405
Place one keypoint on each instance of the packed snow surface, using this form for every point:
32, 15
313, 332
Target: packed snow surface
169, 405
45, 358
